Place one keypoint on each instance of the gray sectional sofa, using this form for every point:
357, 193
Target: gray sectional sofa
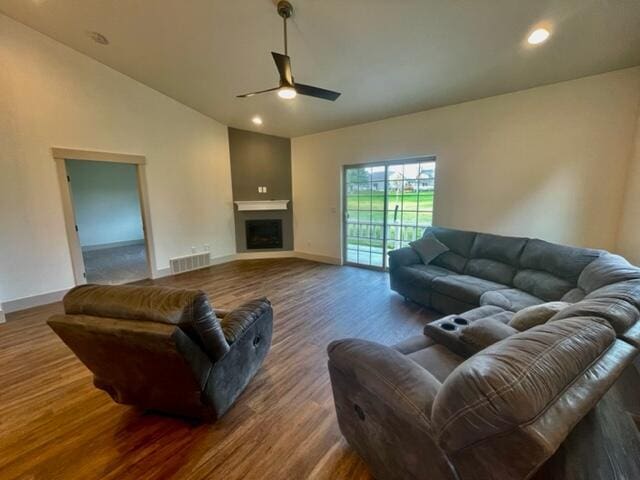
512, 273
536, 334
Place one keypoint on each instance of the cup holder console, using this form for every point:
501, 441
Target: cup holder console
447, 331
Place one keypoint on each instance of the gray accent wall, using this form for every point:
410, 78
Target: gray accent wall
261, 160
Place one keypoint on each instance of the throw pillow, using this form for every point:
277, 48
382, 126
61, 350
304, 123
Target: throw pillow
536, 315
428, 248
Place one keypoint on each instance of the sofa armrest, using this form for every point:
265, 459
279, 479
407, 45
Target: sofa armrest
485, 332
402, 257
390, 376
240, 319
221, 312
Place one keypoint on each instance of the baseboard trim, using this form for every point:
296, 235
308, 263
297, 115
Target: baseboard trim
263, 255
52, 297
319, 258
166, 272
33, 301
103, 246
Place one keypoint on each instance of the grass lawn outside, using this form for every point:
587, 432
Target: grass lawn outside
409, 213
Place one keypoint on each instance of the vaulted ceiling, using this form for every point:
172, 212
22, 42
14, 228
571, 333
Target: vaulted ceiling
387, 57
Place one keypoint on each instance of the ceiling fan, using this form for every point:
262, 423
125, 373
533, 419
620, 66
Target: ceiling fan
288, 88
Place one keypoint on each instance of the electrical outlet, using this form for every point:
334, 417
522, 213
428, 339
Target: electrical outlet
264, 189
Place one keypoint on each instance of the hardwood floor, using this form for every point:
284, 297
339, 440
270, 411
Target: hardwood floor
55, 424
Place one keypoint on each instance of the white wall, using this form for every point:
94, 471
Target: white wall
53, 96
106, 202
548, 162
629, 235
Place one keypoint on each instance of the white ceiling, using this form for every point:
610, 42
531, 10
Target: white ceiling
387, 57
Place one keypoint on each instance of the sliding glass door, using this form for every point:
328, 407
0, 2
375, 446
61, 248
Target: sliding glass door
364, 215
387, 205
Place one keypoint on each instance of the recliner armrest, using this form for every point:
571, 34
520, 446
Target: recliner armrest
403, 257
390, 376
238, 321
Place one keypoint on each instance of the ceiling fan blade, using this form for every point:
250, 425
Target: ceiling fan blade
283, 62
245, 95
316, 92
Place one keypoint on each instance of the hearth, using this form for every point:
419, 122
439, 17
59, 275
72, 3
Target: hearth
262, 234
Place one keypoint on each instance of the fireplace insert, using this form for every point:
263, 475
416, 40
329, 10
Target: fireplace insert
263, 234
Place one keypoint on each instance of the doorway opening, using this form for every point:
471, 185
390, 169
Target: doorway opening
386, 206
105, 213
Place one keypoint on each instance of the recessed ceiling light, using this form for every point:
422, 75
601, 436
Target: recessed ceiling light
538, 36
257, 120
98, 38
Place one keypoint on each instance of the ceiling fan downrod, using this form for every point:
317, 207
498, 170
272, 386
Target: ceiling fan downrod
285, 10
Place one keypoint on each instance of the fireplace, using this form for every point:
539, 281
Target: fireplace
263, 234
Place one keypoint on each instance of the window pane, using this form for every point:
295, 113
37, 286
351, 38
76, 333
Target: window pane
409, 218
364, 216
425, 219
411, 171
363, 230
364, 196
357, 175
410, 201
364, 256
426, 200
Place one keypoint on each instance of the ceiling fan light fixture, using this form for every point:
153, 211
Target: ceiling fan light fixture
287, 93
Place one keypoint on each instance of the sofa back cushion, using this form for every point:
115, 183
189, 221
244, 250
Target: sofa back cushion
459, 243
188, 309
516, 380
561, 261
620, 314
542, 284
494, 257
605, 270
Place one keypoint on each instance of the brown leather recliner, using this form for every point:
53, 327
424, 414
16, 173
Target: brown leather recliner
164, 349
421, 411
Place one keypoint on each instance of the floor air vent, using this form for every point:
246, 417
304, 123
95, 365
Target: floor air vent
190, 262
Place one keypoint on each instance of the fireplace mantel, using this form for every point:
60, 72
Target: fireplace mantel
246, 205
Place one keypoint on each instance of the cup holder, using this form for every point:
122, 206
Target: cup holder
460, 321
450, 327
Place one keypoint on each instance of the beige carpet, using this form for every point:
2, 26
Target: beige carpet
116, 265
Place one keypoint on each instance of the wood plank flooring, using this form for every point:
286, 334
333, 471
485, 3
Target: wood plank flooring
55, 424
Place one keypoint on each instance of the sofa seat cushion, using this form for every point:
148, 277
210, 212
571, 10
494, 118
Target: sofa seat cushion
438, 360
536, 315
481, 312
422, 275
542, 284
485, 332
413, 344
465, 287
511, 299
